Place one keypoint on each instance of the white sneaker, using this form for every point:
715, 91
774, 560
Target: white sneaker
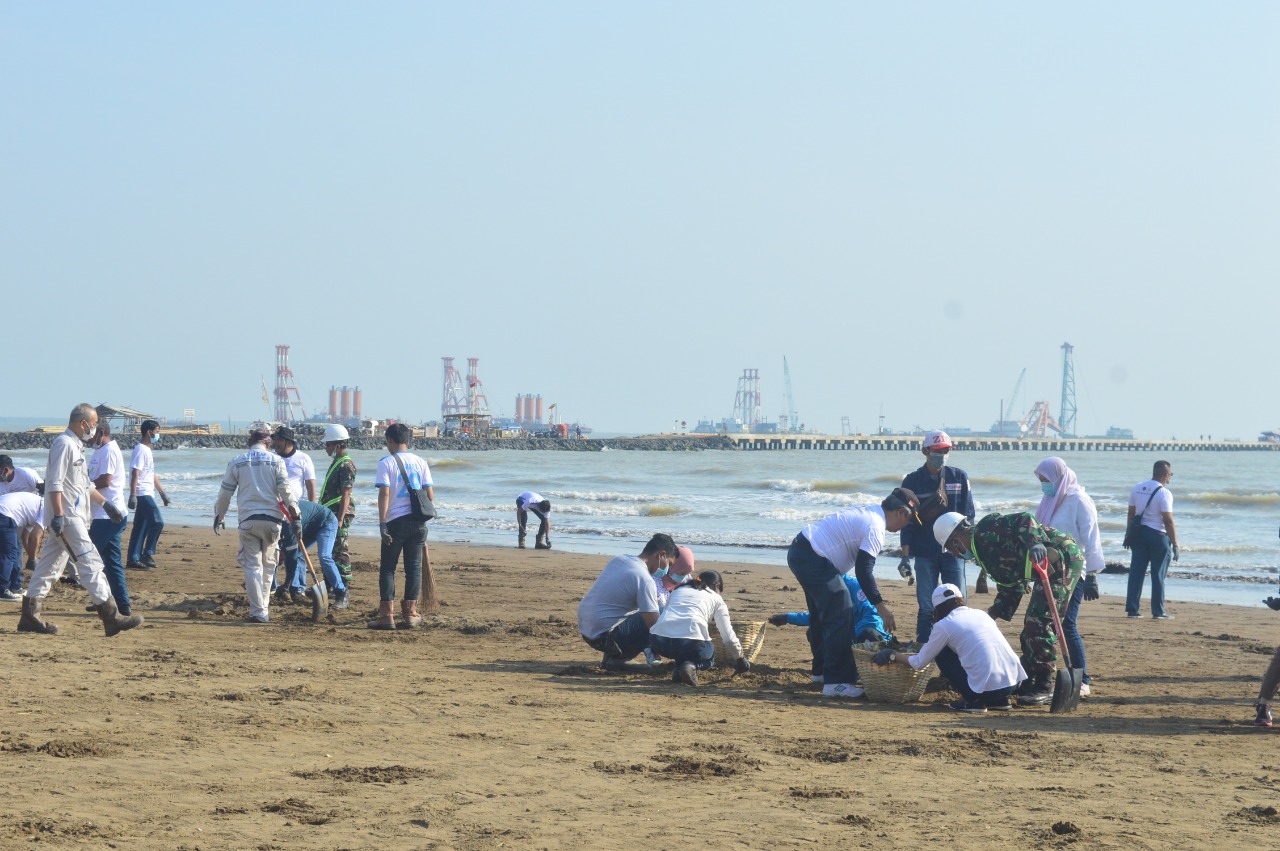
816, 678
1084, 689
652, 658
842, 690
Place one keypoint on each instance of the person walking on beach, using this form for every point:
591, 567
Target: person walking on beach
301, 472
67, 501
619, 608
21, 516
683, 629
848, 540
22, 480
1065, 506
934, 565
259, 483
144, 484
532, 503
398, 473
335, 495
106, 471
1007, 545
1156, 542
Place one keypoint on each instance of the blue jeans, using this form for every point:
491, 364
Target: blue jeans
107, 535
949, 665
1152, 548
1071, 631
932, 571
624, 640
10, 556
147, 526
701, 653
295, 569
407, 536
830, 613
323, 539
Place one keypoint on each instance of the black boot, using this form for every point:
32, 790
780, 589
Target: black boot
541, 543
1037, 691
114, 623
30, 621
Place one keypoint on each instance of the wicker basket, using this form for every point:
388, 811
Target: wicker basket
750, 636
892, 683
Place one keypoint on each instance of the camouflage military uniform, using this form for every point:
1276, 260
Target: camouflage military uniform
1001, 545
341, 475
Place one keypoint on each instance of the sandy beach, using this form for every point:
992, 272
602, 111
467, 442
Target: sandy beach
494, 727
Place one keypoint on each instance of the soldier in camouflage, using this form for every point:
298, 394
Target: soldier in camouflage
1006, 545
335, 495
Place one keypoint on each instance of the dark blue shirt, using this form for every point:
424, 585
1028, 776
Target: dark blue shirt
959, 498
312, 517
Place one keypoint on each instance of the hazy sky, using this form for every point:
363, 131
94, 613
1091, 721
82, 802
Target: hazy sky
621, 206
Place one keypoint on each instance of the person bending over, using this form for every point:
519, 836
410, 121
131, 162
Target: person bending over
683, 630
867, 623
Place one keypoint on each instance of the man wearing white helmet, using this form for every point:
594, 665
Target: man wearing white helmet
1007, 545
335, 494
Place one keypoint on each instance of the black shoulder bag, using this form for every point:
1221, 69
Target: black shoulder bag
1131, 531
420, 505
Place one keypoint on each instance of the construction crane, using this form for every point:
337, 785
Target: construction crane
793, 421
1038, 421
1067, 411
1009, 416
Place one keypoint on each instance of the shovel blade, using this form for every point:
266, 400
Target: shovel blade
1066, 689
319, 603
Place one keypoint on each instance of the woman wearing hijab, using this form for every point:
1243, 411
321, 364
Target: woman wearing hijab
1066, 507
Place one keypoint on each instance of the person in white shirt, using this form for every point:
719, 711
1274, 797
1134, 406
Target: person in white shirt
680, 572
618, 609
1157, 540
534, 503
820, 556
144, 484
67, 502
1066, 506
21, 514
106, 471
22, 480
301, 471
683, 630
257, 480
401, 533
971, 653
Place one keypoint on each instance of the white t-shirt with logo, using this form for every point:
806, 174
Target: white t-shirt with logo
108, 459
529, 498
299, 468
23, 508
388, 476
1152, 507
143, 461
25, 480
839, 537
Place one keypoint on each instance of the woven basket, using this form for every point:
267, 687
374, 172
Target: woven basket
892, 683
750, 636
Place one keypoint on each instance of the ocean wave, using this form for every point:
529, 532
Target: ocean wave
447, 463
888, 478
661, 511
606, 496
793, 515
821, 485
1000, 481
1227, 498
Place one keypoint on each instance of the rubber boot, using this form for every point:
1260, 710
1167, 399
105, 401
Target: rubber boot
30, 621
980, 587
114, 623
1039, 692
542, 543
410, 619
520, 541
386, 617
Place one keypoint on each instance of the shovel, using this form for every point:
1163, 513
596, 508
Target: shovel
1066, 685
318, 593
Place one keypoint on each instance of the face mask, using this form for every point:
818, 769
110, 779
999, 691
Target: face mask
936, 460
661, 572
678, 578
1049, 488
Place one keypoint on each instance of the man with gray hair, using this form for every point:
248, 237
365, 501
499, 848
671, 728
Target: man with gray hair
260, 484
68, 500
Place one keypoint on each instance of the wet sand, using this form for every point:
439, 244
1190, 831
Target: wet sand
494, 727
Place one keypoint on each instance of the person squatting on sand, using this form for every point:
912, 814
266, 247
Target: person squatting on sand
539, 506
257, 479
1066, 507
335, 495
67, 501
867, 623
144, 484
680, 572
618, 609
971, 653
400, 532
819, 556
1007, 545
683, 631
106, 471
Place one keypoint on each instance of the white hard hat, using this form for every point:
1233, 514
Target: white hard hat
335, 433
945, 525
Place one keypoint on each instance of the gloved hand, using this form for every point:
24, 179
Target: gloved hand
218, 525
1273, 602
904, 570
58, 524
113, 512
386, 536
780, 619
165, 498
1091, 587
882, 657
1175, 552
741, 666
1039, 553
133, 503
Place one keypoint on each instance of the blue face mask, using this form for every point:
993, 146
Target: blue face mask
661, 572
678, 578
1049, 488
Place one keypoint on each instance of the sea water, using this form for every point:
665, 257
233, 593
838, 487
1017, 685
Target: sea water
747, 506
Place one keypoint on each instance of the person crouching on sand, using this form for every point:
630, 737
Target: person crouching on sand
680, 572
683, 630
970, 651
